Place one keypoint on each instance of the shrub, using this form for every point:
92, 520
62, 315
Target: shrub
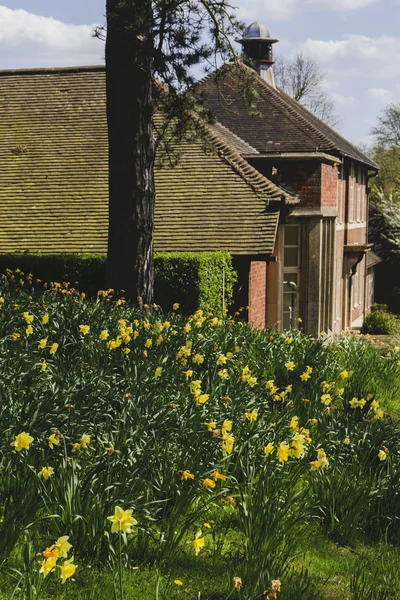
382, 307
194, 280
379, 322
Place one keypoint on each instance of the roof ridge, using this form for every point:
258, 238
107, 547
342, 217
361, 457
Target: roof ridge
41, 70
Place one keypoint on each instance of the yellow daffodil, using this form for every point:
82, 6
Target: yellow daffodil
269, 448
84, 329
198, 542
42, 343
178, 582
221, 360
251, 416
53, 348
158, 372
46, 472
67, 569
223, 374
22, 441
217, 475
209, 483
43, 366
54, 440
28, 317
283, 452
29, 330
104, 334
148, 343
382, 455
63, 546
45, 319
186, 475
290, 365
188, 373
122, 520
48, 565
198, 359
85, 440
344, 374
346, 441
294, 424
237, 582
202, 398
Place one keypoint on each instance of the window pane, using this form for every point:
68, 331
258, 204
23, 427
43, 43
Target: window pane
291, 257
291, 235
289, 277
286, 320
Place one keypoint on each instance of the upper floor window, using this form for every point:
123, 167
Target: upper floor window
351, 193
339, 194
360, 185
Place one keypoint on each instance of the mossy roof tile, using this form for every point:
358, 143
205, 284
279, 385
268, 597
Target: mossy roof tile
53, 176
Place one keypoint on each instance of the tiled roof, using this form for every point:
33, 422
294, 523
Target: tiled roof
274, 122
54, 176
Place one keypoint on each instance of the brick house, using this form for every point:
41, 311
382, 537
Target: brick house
274, 186
318, 272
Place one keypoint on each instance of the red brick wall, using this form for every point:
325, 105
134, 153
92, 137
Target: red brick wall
329, 180
257, 294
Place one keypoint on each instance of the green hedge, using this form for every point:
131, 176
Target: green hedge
195, 280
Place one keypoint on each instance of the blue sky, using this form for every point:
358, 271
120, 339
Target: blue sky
357, 43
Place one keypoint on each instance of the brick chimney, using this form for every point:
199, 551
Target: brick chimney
257, 46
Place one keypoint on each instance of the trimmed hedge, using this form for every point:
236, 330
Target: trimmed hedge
195, 280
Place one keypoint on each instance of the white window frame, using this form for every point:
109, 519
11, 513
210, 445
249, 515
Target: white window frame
351, 194
359, 193
288, 269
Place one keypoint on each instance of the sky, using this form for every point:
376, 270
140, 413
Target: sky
356, 42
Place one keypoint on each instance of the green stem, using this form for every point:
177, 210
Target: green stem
121, 590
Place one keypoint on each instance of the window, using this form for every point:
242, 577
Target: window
339, 194
363, 197
338, 292
359, 193
351, 195
290, 276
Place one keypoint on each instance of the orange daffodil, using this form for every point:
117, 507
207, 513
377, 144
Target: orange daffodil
51, 556
122, 520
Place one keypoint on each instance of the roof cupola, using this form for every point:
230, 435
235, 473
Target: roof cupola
257, 46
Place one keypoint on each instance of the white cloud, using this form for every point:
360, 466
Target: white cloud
380, 94
358, 55
28, 40
343, 100
285, 9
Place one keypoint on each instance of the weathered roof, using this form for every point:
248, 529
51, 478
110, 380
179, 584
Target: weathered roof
54, 176
275, 122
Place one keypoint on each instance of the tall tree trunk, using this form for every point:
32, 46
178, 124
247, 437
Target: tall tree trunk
129, 67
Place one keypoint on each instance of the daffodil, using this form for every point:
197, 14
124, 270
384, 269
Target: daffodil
63, 546
269, 448
198, 542
46, 472
104, 334
48, 565
84, 329
22, 441
290, 365
53, 348
54, 440
158, 372
186, 475
85, 440
217, 475
122, 520
209, 483
283, 452
67, 569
